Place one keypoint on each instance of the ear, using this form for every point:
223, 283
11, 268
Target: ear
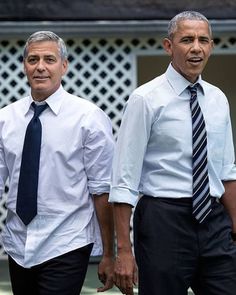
211, 48
24, 69
212, 45
167, 45
64, 66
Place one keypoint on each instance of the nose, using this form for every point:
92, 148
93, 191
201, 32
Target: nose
40, 65
196, 46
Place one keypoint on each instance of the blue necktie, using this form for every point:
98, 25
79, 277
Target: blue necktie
201, 190
26, 206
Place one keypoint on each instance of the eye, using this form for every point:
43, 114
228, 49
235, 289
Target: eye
31, 60
50, 59
186, 40
204, 40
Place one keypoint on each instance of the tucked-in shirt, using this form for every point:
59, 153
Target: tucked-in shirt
153, 155
75, 162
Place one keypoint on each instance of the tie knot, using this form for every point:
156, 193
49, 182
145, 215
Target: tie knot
193, 91
38, 109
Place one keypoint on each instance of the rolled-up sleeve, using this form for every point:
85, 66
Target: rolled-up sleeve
129, 152
3, 170
98, 152
228, 171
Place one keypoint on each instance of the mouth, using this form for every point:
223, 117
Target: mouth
195, 60
41, 78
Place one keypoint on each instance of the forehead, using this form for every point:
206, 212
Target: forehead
192, 27
43, 48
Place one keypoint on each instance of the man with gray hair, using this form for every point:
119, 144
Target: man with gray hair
175, 150
56, 149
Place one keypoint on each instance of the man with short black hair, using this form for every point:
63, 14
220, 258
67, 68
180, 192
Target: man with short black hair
175, 149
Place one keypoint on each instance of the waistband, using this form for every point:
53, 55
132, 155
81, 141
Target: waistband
179, 200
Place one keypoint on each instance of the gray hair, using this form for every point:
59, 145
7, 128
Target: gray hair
46, 36
185, 15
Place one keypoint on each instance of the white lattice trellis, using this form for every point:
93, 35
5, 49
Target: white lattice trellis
102, 70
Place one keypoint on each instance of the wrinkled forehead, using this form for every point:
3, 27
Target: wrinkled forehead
42, 47
192, 27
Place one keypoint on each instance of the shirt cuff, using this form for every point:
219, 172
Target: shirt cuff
228, 173
123, 195
98, 187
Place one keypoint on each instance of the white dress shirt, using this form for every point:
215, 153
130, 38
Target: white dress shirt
153, 155
75, 162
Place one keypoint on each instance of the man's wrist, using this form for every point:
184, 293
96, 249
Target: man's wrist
233, 235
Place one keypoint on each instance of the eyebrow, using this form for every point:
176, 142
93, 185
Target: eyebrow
193, 37
36, 55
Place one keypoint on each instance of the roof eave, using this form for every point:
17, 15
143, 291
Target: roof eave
102, 28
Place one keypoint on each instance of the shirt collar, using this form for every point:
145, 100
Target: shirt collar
54, 101
179, 83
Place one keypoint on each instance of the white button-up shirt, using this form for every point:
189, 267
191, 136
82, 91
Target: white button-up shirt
154, 151
75, 162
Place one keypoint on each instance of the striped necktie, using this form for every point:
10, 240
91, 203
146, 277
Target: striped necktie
201, 190
26, 206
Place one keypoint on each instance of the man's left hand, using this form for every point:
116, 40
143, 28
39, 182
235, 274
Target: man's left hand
106, 273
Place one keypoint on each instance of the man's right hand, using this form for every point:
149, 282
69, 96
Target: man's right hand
125, 272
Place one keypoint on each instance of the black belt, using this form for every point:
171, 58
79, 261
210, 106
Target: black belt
179, 200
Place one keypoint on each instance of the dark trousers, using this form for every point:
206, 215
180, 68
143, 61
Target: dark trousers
174, 252
63, 275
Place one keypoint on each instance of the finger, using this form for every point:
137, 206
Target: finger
117, 281
123, 283
135, 278
102, 278
108, 285
127, 291
126, 285
130, 291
